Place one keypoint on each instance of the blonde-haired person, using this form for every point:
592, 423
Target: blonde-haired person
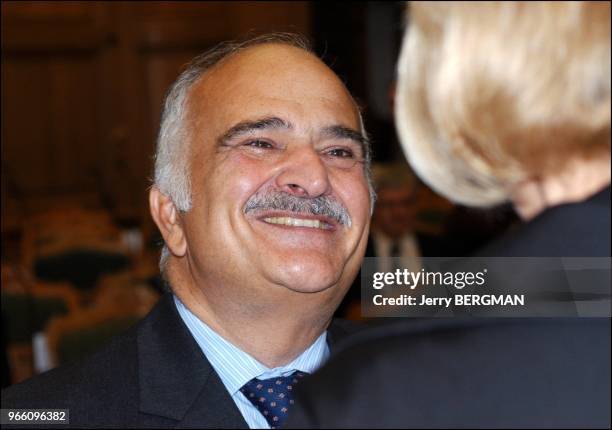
503, 101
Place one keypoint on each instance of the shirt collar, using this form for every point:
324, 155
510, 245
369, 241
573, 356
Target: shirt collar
236, 367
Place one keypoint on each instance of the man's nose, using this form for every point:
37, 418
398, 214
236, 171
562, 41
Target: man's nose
304, 174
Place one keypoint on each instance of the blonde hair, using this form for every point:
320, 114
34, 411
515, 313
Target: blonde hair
491, 94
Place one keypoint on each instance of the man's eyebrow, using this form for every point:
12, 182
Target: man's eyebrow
343, 132
245, 127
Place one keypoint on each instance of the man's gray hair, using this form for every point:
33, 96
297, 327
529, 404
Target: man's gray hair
172, 173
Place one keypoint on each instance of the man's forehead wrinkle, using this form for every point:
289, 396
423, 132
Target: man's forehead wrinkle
342, 131
250, 125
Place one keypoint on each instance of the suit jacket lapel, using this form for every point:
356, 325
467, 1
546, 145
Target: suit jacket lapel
184, 388
178, 386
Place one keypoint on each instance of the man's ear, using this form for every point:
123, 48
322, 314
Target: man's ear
166, 216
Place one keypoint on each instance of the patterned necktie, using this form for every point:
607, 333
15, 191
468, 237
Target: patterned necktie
273, 397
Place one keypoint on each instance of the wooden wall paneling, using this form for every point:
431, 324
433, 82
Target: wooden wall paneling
49, 125
108, 116
46, 10
268, 16
45, 26
49, 106
25, 125
74, 122
121, 168
180, 26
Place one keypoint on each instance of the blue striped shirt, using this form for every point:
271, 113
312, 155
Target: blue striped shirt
235, 367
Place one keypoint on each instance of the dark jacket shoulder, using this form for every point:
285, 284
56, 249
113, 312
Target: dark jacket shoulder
570, 230
90, 388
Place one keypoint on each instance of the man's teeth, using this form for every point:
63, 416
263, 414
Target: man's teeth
296, 222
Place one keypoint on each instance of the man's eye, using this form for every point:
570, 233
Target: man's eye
257, 143
341, 153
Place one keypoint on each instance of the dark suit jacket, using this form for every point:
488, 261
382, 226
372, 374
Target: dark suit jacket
154, 375
504, 372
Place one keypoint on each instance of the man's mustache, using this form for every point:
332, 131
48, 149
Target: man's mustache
279, 200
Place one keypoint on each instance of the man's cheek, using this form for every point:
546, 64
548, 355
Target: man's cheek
359, 202
245, 176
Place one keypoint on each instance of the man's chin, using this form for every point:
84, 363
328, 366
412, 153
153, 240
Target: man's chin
308, 287
309, 279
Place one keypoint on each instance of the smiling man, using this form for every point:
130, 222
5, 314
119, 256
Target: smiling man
263, 197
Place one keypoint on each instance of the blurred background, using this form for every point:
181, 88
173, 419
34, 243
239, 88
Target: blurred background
82, 88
